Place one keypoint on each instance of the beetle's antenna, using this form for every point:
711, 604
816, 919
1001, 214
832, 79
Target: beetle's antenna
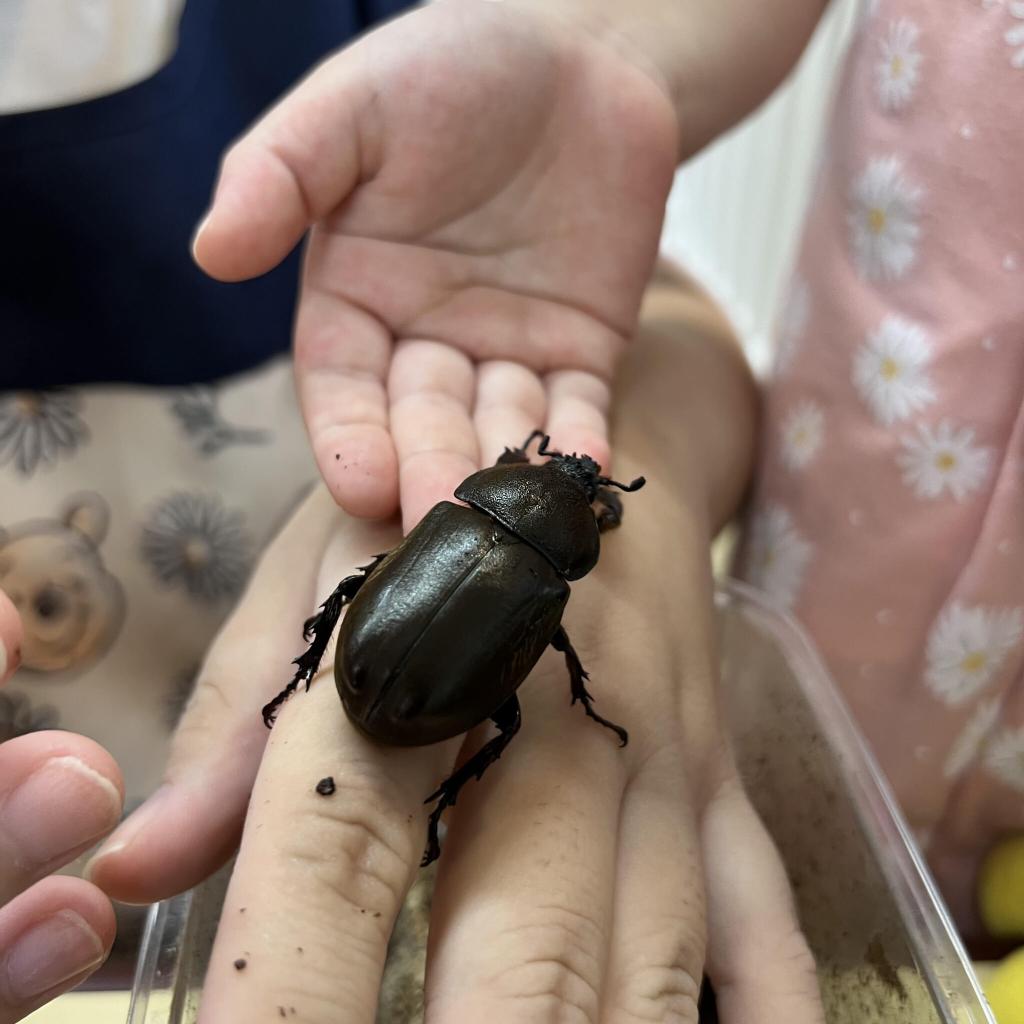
545, 441
533, 437
605, 481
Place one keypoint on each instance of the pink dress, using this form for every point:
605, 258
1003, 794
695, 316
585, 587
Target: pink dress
889, 513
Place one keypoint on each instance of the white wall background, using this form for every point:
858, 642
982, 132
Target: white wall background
735, 213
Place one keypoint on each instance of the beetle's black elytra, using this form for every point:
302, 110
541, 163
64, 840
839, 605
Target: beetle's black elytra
477, 588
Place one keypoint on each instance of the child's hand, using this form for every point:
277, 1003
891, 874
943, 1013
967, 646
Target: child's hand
486, 186
59, 794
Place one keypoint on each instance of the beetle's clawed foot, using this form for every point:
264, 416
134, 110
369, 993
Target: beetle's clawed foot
577, 681
587, 701
316, 631
508, 719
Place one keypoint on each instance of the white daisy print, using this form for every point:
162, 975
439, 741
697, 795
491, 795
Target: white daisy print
803, 431
890, 370
793, 324
896, 73
966, 648
1015, 35
1004, 757
969, 742
944, 459
883, 220
778, 556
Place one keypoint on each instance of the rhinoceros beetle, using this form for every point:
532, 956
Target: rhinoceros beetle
443, 629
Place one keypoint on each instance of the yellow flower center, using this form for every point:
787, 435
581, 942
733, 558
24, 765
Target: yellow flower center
876, 220
890, 368
974, 662
196, 552
945, 461
896, 65
27, 405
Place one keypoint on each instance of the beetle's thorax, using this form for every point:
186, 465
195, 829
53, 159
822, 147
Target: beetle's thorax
545, 506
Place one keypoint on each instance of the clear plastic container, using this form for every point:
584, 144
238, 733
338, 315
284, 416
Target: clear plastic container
884, 943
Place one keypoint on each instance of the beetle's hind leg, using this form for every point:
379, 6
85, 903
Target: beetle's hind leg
607, 509
317, 630
578, 677
507, 718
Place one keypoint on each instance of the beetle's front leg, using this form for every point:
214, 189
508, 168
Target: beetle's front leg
318, 630
607, 509
515, 455
507, 718
578, 677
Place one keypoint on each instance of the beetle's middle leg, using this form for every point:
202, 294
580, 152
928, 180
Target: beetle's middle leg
578, 677
318, 630
508, 719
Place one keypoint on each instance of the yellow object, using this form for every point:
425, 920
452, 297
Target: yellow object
83, 1008
1004, 990
1001, 889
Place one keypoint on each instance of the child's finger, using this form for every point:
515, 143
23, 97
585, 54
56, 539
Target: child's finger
322, 870
432, 388
758, 960
523, 910
295, 165
578, 414
342, 357
52, 937
657, 951
510, 405
59, 794
10, 638
191, 824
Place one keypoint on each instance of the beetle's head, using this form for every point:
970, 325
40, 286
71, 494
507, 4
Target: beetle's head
586, 472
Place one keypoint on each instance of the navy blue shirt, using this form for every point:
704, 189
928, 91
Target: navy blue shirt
99, 200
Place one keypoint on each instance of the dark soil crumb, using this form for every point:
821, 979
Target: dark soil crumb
325, 787
240, 964
875, 956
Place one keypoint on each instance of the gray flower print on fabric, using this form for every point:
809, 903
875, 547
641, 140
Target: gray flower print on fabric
192, 540
18, 716
38, 427
197, 410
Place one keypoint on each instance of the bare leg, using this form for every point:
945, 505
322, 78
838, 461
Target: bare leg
508, 719
318, 629
578, 677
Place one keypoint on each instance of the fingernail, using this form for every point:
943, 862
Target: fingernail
81, 804
137, 822
58, 949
